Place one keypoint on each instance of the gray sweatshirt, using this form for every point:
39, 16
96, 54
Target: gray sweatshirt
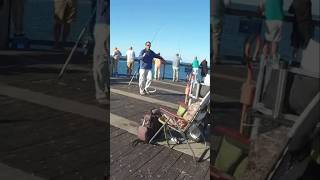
176, 62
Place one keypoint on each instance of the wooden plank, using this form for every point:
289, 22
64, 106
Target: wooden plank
38, 152
160, 161
178, 167
172, 97
167, 164
132, 166
75, 160
47, 132
120, 146
95, 172
128, 164
114, 132
195, 170
207, 176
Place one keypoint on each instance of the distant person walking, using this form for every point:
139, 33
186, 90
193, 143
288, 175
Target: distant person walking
145, 75
303, 29
64, 14
116, 57
157, 67
204, 69
273, 11
217, 12
101, 52
130, 61
195, 67
175, 68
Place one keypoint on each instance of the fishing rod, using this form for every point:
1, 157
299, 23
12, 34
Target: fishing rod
85, 27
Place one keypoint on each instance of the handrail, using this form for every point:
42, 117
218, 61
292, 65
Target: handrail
253, 14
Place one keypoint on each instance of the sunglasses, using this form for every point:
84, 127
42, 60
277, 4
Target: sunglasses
148, 45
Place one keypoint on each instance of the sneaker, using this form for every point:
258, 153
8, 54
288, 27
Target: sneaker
147, 92
142, 93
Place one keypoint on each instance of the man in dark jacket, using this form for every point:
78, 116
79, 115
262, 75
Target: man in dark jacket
204, 68
303, 28
145, 74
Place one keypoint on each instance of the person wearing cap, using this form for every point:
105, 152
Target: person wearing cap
175, 68
116, 57
273, 11
195, 67
64, 14
145, 74
157, 67
204, 69
130, 60
303, 28
218, 8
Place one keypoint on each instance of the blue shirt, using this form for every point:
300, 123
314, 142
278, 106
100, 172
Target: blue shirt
146, 61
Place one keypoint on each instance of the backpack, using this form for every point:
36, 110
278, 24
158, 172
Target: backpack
150, 125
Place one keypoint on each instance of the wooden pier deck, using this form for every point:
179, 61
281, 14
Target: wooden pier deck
42, 136
56, 130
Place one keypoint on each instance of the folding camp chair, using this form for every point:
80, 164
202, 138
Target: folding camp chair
182, 125
302, 117
198, 91
229, 157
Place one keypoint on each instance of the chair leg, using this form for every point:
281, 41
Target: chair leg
204, 139
193, 155
165, 135
154, 136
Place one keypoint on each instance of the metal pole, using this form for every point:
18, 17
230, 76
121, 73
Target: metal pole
76, 45
280, 90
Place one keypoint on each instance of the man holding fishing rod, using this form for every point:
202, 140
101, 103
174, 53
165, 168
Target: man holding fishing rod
145, 74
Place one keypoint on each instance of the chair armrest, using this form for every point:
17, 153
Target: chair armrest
233, 134
216, 174
183, 104
169, 114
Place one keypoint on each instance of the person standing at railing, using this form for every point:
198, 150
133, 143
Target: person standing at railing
157, 67
130, 61
175, 68
195, 68
273, 11
204, 69
101, 51
145, 74
303, 29
17, 11
217, 10
116, 57
64, 14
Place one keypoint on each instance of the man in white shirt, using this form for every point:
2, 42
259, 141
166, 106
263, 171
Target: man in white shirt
175, 68
130, 61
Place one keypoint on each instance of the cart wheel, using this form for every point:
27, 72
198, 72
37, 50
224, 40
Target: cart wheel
194, 133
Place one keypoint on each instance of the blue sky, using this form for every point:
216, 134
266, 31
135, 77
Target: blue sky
175, 25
